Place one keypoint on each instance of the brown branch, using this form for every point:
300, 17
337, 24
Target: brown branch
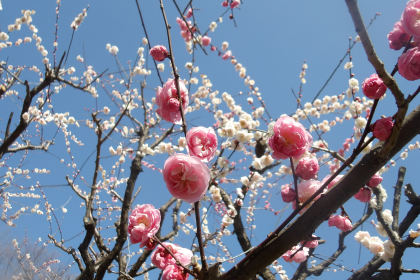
397, 198
71, 184
200, 237
6, 134
30, 94
43, 147
148, 41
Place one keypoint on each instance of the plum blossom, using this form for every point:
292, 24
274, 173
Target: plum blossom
227, 55
310, 244
290, 139
144, 222
174, 272
301, 255
202, 143
168, 102
307, 168
235, 4
410, 19
409, 64
373, 87
363, 195
305, 190
398, 37
389, 250
374, 181
206, 41
189, 13
382, 128
159, 53
186, 177
340, 222
161, 258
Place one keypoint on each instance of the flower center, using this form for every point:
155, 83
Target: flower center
144, 221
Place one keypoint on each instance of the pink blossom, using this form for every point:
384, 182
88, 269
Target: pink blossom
374, 181
202, 143
299, 257
206, 41
186, 177
161, 258
143, 223
182, 24
373, 87
305, 190
187, 35
409, 64
333, 182
382, 128
174, 272
225, 3
398, 37
288, 194
189, 13
307, 168
235, 4
159, 53
227, 55
310, 244
410, 18
340, 222
168, 102
364, 195
290, 139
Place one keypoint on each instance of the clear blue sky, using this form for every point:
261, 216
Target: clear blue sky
272, 39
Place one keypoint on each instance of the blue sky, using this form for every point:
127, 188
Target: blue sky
272, 39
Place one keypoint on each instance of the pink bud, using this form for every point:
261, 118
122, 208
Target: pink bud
213, 48
374, 181
307, 168
340, 222
363, 195
189, 13
159, 53
373, 87
206, 41
382, 128
225, 3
